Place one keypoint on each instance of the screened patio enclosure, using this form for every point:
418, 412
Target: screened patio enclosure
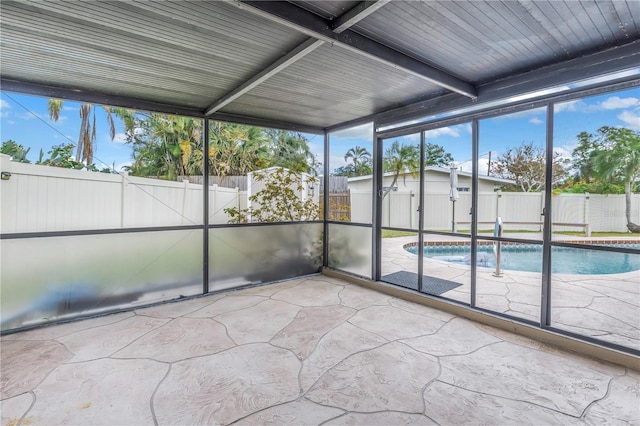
380, 75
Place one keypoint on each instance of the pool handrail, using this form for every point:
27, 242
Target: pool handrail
497, 245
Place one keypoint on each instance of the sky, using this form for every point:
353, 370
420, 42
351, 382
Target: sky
25, 119
616, 109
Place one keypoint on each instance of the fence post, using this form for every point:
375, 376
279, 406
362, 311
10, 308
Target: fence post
123, 191
498, 196
184, 199
7, 169
586, 214
213, 202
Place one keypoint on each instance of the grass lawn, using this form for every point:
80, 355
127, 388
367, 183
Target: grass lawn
388, 233
596, 234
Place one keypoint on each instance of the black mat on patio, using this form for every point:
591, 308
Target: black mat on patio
430, 285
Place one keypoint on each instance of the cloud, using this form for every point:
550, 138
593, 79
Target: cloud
613, 103
536, 120
448, 131
120, 138
4, 106
568, 106
616, 102
631, 119
563, 151
364, 131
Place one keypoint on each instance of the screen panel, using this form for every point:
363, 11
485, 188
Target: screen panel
350, 249
245, 255
54, 278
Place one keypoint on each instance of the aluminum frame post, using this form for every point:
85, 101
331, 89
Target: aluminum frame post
325, 203
205, 201
376, 254
475, 132
421, 217
545, 302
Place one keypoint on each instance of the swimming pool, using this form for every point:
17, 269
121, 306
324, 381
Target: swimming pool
529, 258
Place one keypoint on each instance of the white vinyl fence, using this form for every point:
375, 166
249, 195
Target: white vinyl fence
38, 198
520, 210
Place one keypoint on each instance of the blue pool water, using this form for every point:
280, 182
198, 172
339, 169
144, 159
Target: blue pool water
529, 258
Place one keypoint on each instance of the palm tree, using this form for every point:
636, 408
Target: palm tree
290, 150
164, 145
619, 158
401, 159
87, 137
235, 149
358, 156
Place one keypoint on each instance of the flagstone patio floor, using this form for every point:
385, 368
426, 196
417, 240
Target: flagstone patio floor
314, 350
606, 307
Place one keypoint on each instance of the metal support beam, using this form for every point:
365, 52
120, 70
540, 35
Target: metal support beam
357, 14
73, 94
607, 62
294, 17
299, 52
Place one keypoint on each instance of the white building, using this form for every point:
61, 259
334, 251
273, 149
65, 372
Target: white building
436, 180
400, 205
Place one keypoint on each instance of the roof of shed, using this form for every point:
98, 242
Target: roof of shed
437, 169
310, 64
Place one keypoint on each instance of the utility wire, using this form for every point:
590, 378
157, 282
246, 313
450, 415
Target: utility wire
228, 242
125, 177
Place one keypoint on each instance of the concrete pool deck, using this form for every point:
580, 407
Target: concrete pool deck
315, 350
606, 307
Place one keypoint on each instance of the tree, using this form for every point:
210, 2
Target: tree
163, 145
15, 151
360, 157
169, 146
582, 156
348, 171
401, 159
87, 137
290, 150
235, 149
278, 201
62, 156
525, 165
435, 155
618, 157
